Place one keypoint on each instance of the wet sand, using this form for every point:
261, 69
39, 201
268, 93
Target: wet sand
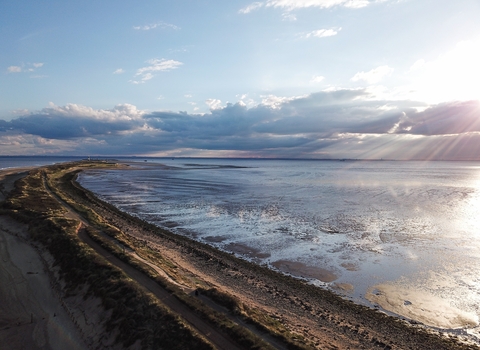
312, 312
329, 321
299, 269
421, 306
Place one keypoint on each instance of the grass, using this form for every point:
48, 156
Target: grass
135, 314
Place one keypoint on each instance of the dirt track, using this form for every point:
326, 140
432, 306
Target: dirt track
220, 340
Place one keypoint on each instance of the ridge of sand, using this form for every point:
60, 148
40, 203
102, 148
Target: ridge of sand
31, 311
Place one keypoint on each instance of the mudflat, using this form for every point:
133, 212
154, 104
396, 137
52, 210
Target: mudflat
323, 318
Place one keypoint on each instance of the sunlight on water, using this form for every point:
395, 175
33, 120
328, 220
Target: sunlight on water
401, 235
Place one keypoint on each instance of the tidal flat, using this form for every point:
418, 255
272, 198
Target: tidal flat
271, 310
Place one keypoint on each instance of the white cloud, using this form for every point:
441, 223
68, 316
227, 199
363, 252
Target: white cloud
373, 76
322, 33
288, 17
14, 69
30, 67
119, 71
356, 4
251, 7
119, 112
317, 79
417, 65
22, 111
245, 100
147, 76
159, 65
291, 5
156, 65
156, 25
188, 96
275, 102
214, 103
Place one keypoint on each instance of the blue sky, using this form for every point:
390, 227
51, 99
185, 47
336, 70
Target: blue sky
275, 78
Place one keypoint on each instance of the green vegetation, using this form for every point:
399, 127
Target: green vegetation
135, 314
259, 319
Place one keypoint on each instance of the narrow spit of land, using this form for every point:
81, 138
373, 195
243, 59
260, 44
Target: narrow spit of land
215, 299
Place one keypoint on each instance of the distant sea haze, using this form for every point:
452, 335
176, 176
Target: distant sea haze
367, 229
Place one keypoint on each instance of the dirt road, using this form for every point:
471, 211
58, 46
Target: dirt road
217, 338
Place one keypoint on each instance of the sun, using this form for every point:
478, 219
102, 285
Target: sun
454, 75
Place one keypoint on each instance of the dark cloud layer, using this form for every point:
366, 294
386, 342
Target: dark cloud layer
60, 127
324, 124
446, 118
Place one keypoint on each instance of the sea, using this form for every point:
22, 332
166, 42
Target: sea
400, 236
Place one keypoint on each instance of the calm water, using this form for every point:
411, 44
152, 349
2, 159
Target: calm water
402, 235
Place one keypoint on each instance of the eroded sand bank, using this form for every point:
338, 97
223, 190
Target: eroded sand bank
31, 313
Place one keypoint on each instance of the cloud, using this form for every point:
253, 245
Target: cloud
317, 79
119, 71
275, 102
22, 111
253, 6
72, 121
155, 65
322, 33
14, 69
288, 17
443, 119
213, 103
341, 123
373, 76
25, 68
417, 65
290, 5
156, 25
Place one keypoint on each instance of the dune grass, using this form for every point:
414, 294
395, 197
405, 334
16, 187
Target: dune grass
135, 314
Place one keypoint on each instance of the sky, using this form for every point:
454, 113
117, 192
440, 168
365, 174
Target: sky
326, 79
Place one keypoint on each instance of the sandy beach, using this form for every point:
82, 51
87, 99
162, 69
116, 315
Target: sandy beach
31, 312
35, 316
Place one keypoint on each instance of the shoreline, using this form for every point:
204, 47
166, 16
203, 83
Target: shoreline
316, 314
408, 305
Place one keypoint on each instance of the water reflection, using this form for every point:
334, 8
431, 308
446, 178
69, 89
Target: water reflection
403, 235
